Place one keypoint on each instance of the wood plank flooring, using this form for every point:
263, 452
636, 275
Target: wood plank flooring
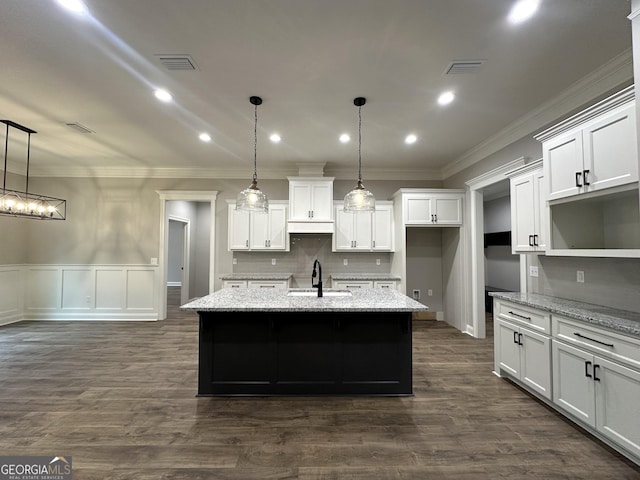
119, 397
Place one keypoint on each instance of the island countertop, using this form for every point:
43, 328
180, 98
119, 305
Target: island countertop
277, 300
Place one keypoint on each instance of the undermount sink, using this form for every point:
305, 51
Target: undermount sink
314, 293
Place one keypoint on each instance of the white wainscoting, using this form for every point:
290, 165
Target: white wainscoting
78, 292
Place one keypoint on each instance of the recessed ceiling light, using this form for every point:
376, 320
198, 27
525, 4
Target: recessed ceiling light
275, 138
205, 137
446, 98
523, 10
344, 138
75, 6
411, 138
163, 95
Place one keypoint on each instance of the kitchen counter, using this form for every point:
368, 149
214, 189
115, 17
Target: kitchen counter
619, 320
274, 300
265, 342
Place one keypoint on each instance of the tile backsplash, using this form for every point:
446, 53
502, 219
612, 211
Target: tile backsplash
305, 248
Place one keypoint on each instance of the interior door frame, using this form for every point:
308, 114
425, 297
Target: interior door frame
476, 325
186, 196
186, 255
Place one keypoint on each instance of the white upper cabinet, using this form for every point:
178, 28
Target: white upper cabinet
364, 231
528, 209
310, 205
436, 208
258, 231
594, 150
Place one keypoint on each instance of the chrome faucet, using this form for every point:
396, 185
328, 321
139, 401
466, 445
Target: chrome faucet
319, 274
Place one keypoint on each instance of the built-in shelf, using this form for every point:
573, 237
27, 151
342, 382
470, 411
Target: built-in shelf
497, 239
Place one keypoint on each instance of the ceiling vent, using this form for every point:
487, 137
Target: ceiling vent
464, 67
177, 62
78, 127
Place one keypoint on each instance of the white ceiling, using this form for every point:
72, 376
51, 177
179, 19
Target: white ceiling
307, 59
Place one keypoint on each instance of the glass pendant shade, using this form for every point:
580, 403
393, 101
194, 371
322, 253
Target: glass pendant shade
252, 199
359, 200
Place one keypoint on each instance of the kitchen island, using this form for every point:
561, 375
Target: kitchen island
291, 342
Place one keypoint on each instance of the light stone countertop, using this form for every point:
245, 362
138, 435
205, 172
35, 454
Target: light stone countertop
277, 300
256, 276
622, 321
364, 276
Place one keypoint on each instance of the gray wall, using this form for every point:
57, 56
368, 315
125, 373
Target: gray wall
424, 265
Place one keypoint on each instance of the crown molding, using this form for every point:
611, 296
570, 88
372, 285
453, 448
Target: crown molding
612, 74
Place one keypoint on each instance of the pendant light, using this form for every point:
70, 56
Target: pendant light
251, 198
359, 199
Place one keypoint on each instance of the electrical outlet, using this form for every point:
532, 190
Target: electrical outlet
416, 294
533, 271
235, 261
377, 261
273, 261
154, 261
430, 293
580, 276
345, 262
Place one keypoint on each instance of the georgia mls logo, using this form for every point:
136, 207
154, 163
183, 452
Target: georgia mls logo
35, 468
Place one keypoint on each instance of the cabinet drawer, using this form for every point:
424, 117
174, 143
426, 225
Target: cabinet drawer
605, 343
351, 284
384, 284
234, 284
535, 320
268, 284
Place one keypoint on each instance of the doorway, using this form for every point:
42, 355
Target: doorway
178, 260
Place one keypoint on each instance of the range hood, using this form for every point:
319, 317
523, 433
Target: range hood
310, 201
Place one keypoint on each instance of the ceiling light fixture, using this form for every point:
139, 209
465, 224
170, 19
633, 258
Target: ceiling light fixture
163, 95
359, 199
275, 138
411, 138
24, 204
344, 138
75, 6
523, 10
252, 198
446, 98
205, 137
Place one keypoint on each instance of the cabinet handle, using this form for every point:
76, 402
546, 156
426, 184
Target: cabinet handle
374, 244
584, 177
518, 315
246, 243
520, 339
311, 213
578, 175
586, 369
432, 218
267, 286
531, 240
436, 217
535, 240
595, 373
515, 338
593, 340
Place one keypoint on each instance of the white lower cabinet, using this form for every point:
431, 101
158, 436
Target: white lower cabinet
524, 355
255, 284
352, 284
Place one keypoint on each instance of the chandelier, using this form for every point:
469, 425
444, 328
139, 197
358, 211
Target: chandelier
359, 199
26, 204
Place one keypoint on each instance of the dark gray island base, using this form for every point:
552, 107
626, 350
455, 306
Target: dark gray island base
282, 345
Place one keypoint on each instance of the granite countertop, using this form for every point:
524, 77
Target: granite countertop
365, 276
256, 276
622, 321
277, 300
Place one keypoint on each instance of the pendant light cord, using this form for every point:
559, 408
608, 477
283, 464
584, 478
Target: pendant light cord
255, 143
359, 143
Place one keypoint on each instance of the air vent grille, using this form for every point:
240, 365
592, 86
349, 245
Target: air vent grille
464, 67
177, 62
78, 127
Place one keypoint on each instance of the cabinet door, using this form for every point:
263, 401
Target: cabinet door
610, 150
362, 230
299, 201
541, 215
417, 211
321, 201
383, 229
573, 385
617, 406
563, 159
277, 236
447, 210
238, 229
522, 214
508, 348
259, 231
535, 362
343, 238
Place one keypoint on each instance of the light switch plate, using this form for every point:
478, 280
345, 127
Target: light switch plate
345, 262
580, 276
273, 261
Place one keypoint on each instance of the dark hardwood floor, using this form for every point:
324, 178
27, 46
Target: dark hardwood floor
119, 398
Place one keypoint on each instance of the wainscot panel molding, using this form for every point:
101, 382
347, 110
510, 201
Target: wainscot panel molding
78, 292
